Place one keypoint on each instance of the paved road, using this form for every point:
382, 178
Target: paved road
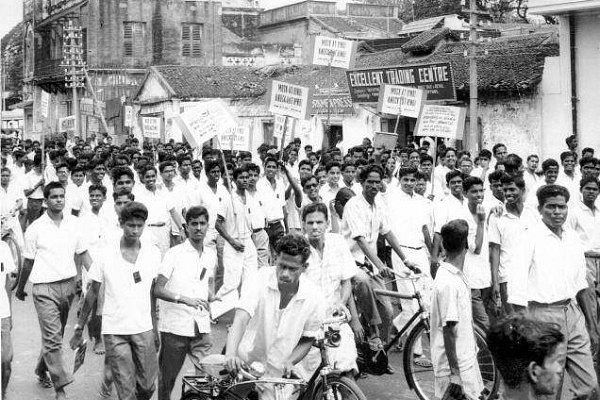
26, 342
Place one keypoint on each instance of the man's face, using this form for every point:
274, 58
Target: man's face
289, 269
63, 175
548, 376
475, 194
322, 177
484, 162
426, 167
315, 225
588, 169
5, 178
455, 186
121, 202
466, 166
270, 169
133, 228
403, 159
123, 182
421, 187
96, 199
590, 192
333, 175
134, 159
349, 173
569, 164
169, 150
196, 228
121, 162
185, 168
371, 185
413, 159
304, 170
78, 177
390, 165
98, 172
214, 175
533, 163
311, 188
197, 169
554, 211
292, 156
384, 158
56, 200
150, 180
451, 159
512, 193
357, 155
551, 174
497, 190
313, 160
253, 178
500, 153
168, 173
308, 149
242, 181
407, 183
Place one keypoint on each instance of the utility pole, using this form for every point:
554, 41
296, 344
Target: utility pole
74, 65
474, 142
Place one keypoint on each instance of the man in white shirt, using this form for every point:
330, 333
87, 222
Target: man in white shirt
127, 269
529, 174
258, 220
548, 278
178, 196
448, 163
569, 177
73, 199
34, 190
11, 202
7, 278
279, 315
51, 243
507, 232
184, 292
272, 192
349, 177
453, 346
584, 219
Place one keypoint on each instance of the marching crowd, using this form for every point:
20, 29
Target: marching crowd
154, 239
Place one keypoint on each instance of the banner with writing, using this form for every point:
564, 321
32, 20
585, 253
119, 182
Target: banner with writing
400, 100
341, 53
45, 103
151, 127
205, 121
288, 99
441, 121
237, 138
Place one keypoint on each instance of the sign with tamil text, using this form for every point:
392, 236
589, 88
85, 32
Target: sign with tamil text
400, 100
205, 121
441, 121
288, 99
339, 52
151, 127
436, 79
237, 138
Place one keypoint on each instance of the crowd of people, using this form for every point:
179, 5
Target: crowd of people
152, 239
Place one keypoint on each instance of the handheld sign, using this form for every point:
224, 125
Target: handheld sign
441, 121
205, 121
289, 100
339, 52
151, 127
400, 100
237, 138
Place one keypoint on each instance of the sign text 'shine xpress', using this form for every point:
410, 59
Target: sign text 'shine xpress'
436, 79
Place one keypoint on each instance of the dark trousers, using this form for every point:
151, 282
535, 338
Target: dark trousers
52, 302
275, 230
484, 310
376, 310
173, 350
34, 210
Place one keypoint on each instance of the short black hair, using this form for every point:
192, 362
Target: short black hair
239, 170
371, 168
407, 171
165, 164
454, 236
332, 164
496, 176
304, 162
210, 165
101, 188
550, 162
123, 192
453, 174
293, 245
118, 172
471, 181
588, 160
347, 164
314, 207
496, 147
518, 340
565, 154
587, 179
547, 191
269, 159
510, 179
133, 210
425, 158
51, 186
304, 180
196, 212
529, 157
485, 153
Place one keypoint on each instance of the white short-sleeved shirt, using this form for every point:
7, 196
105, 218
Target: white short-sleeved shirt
451, 302
236, 216
97, 228
336, 265
274, 198
159, 204
408, 217
363, 219
448, 209
75, 198
127, 307
586, 222
508, 231
272, 334
52, 248
477, 266
188, 273
32, 179
205, 196
549, 269
8, 267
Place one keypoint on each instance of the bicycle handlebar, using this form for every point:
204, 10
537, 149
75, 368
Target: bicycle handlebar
397, 295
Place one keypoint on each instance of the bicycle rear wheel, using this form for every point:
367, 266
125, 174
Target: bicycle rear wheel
16, 254
338, 388
419, 371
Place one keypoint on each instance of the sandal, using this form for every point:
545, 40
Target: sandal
45, 381
422, 362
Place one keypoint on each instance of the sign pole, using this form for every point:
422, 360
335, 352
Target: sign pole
89, 82
285, 122
432, 175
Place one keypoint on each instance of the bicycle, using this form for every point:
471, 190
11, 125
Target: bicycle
417, 348
7, 237
326, 383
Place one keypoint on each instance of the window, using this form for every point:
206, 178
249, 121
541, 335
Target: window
191, 40
134, 39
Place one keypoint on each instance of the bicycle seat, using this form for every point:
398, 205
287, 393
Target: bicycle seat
214, 365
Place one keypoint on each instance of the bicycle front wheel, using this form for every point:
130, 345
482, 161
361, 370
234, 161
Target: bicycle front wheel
338, 388
16, 254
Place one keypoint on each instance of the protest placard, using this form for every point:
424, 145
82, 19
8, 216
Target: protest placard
151, 127
128, 116
441, 121
67, 124
205, 121
237, 138
341, 53
400, 100
386, 140
289, 100
45, 103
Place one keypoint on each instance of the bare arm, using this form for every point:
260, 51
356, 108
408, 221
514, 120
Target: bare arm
391, 238
161, 292
88, 304
371, 255
298, 354
236, 332
27, 267
427, 238
450, 332
495, 264
219, 226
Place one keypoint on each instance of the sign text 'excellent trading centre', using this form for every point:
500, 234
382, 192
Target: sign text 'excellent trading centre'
436, 79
